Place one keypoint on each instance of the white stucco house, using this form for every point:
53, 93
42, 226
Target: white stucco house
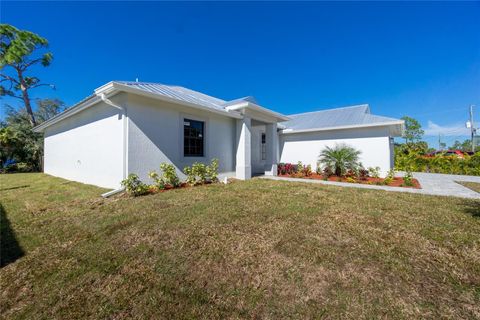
131, 127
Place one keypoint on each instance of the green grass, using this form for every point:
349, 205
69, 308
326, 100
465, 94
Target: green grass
471, 185
254, 249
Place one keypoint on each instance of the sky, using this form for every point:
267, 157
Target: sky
420, 59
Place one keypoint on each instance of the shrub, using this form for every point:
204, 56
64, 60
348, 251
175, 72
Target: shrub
286, 168
212, 170
200, 173
340, 158
350, 180
307, 170
327, 173
299, 168
191, 180
391, 174
135, 186
408, 178
169, 175
408, 159
158, 181
363, 174
374, 172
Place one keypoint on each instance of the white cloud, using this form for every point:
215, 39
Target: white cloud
454, 129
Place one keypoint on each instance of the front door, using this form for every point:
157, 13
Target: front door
259, 150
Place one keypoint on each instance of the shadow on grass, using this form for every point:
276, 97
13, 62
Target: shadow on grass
10, 250
13, 188
473, 208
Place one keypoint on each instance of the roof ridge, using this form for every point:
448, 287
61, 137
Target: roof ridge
339, 108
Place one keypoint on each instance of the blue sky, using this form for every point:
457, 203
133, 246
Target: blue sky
416, 59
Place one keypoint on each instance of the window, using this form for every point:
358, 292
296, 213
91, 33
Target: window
193, 134
264, 147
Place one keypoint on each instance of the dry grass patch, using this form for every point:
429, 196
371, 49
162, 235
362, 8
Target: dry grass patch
255, 249
471, 185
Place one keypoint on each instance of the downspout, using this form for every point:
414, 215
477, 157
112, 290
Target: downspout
125, 141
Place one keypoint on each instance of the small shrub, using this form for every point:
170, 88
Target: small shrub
351, 180
191, 178
135, 186
363, 174
158, 181
200, 173
299, 168
169, 175
408, 178
307, 170
374, 172
327, 173
391, 174
212, 170
286, 168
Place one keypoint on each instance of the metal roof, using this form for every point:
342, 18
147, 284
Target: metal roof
332, 118
178, 93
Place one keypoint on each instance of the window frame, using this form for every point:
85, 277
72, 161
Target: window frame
181, 138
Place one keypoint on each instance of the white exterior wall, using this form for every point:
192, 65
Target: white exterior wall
156, 135
374, 144
87, 147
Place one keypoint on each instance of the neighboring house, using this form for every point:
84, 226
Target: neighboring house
131, 127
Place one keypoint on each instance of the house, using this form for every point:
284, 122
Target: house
131, 127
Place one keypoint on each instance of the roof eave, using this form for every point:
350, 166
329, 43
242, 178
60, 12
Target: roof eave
253, 106
82, 105
399, 123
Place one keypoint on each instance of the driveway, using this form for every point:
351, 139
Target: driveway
431, 183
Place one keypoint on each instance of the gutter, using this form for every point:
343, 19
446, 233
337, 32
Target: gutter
113, 192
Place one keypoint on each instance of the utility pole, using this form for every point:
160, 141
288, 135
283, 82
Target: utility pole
472, 128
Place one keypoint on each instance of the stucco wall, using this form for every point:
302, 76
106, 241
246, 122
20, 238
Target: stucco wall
374, 144
87, 147
156, 136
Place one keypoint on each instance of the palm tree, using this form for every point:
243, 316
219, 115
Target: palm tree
340, 158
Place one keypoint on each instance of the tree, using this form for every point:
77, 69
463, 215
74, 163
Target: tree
47, 108
17, 139
466, 145
17, 49
340, 158
413, 130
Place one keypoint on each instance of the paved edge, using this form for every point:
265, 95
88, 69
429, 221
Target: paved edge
473, 195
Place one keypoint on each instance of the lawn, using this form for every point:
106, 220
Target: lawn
471, 185
254, 249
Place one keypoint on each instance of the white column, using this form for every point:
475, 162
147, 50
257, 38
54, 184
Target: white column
244, 148
271, 136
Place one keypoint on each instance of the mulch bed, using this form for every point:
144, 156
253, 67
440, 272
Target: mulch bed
397, 181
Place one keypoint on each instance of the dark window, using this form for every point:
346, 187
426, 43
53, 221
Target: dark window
264, 147
193, 133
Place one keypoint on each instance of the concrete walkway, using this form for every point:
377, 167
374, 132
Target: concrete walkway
431, 183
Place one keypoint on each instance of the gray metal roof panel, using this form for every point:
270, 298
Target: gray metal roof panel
347, 116
178, 93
